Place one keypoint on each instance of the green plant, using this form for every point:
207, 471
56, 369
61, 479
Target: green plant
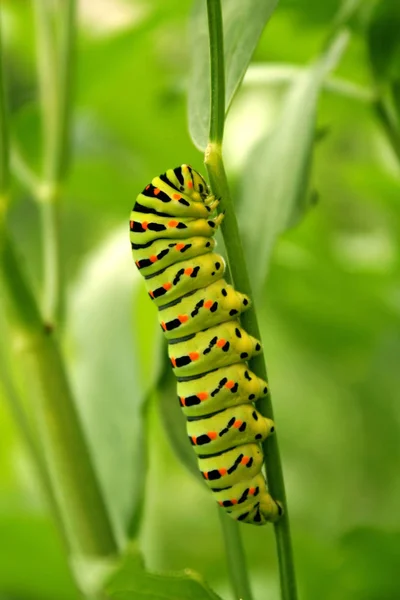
94, 527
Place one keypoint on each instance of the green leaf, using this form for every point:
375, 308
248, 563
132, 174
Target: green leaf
276, 176
173, 419
244, 21
133, 582
113, 371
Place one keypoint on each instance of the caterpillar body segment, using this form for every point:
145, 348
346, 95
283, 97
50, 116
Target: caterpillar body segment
172, 227
219, 389
215, 347
237, 464
203, 310
231, 427
164, 255
182, 278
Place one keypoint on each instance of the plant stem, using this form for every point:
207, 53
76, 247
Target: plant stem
4, 142
238, 268
76, 486
389, 123
235, 557
217, 79
73, 479
54, 64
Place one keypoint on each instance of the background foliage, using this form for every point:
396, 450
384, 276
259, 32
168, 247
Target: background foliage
328, 300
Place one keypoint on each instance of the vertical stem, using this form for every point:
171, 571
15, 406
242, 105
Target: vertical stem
389, 123
217, 71
67, 460
238, 268
55, 51
4, 142
235, 557
76, 487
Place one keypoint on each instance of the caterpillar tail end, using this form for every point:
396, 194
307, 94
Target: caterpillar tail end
271, 509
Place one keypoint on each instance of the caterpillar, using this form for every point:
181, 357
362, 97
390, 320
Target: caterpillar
171, 233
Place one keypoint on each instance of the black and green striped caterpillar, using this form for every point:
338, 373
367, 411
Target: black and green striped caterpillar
172, 241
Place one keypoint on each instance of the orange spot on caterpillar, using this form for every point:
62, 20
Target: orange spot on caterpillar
194, 439
237, 424
153, 258
176, 196
163, 325
202, 396
208, 304
212, 435
167, 286
147, 187
179, 246
145, 225
205, 474
137, 262
182, 400
222, 472
234, 501
156, 191
151, 293
194, 355
131, 224
172, 223
252, 491
183, 318
173, 362
189, 271
190, 184
220, 342
229, 384
245, 460
220, 502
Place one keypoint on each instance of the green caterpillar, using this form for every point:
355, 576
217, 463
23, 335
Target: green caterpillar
172, 241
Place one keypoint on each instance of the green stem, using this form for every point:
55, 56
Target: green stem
389, 123
76, 486
236, 558
217, 119
238, 269
4, 142
55, 63
25, 429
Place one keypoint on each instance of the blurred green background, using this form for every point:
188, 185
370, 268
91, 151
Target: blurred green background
330, 309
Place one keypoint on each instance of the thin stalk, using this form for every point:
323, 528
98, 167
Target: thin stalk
235, 556
238, 268
4, 141
217, 72
389, 123
66, 455
21, 420
55, 49
76, 486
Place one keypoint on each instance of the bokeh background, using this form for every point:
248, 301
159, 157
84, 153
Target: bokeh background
329, 309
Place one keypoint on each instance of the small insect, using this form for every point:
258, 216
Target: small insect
172, 227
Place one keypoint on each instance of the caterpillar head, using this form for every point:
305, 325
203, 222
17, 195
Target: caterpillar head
195, 186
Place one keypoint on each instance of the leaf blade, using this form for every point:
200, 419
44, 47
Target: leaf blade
239, 44
279, 166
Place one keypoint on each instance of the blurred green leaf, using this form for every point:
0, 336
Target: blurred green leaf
278, 168
173, 419
370, 560
32, 566
133, 582
244, 21
384, 40
112, 370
